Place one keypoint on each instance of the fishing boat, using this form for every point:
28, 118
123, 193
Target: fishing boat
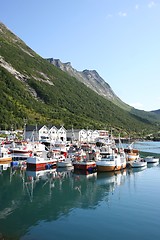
81, 162
111, 162
87, 165
21, 149
60, 147
131, 153
139, 163
151, 159
45, 161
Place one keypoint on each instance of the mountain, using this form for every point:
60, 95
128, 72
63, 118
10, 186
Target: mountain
38, 92
92, 80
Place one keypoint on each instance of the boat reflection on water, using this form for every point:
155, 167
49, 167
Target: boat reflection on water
4, 166
150, 165
138, 169
116, 177
109, 181
65, 169
85, 173
41, 175
46, 177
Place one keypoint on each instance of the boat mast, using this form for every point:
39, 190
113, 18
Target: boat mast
24, 131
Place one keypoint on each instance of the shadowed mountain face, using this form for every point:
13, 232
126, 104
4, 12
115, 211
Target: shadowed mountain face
56, 94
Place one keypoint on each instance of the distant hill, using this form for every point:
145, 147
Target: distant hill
38, 92
156, 111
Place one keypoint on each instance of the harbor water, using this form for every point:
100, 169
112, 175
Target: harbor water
62, 204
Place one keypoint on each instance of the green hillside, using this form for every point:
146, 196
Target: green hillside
31, 88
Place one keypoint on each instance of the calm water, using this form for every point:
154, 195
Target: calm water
64, 205
147, 146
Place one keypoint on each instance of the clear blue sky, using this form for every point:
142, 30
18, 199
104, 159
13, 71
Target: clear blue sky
120, 39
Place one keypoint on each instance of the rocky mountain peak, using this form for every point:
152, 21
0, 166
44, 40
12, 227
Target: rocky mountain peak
90, 78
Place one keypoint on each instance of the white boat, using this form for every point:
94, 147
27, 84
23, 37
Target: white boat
151, 159
111, 162
139, 163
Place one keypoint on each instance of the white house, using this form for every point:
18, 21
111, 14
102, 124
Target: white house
79, 135
89, 135
83, 135
62, 134
53, 133
95, 135
56, 133
43, 132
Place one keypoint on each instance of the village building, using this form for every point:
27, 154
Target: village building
62, 134
82, 135
53, 133
78, 135
36, 133
39, 133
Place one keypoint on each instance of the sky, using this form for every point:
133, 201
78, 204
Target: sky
120, 39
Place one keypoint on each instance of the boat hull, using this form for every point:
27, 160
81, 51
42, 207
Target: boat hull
20, 152
138, 164
85, 166
64, 164
131, 154
110, 168
151, 159
132, 157
5, 159
37, 163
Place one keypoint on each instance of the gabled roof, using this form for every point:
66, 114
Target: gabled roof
38, 127
34, 127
